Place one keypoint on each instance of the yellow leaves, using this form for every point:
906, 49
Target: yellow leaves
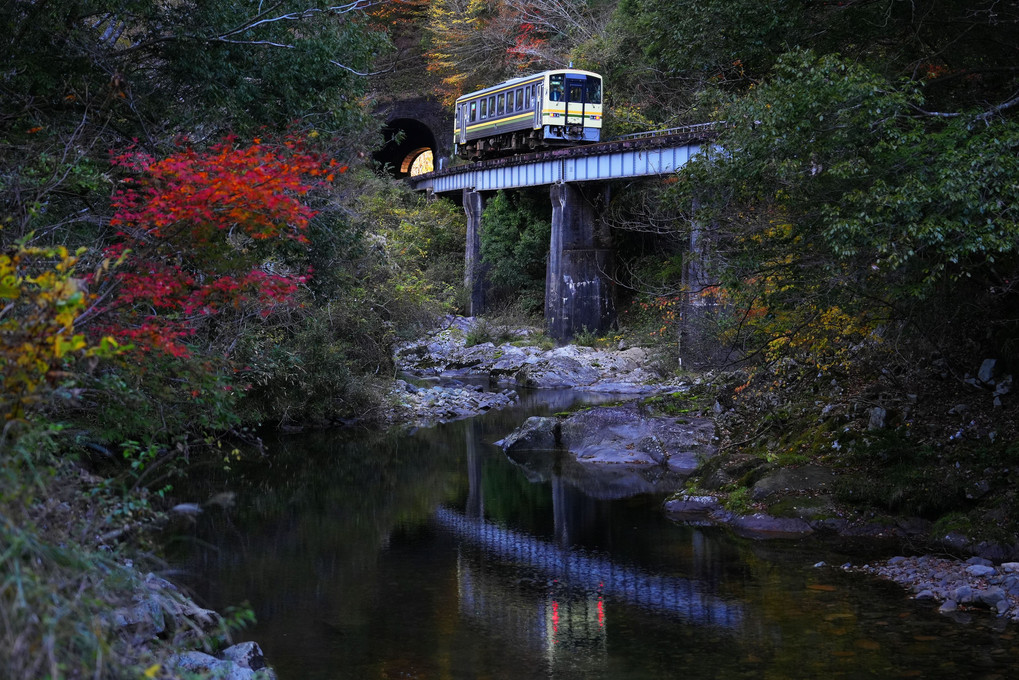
37, 335
63, 346
823, 338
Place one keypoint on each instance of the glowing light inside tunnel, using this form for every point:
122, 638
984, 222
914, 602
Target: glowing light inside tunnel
423, 163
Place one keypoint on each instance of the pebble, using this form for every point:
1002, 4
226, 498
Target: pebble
971, 584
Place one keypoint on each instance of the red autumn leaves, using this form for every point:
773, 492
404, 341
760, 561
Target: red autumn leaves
196, 230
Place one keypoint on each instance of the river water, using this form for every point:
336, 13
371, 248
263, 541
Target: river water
430, 555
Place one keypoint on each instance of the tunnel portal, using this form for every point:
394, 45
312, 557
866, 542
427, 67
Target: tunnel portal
410, 147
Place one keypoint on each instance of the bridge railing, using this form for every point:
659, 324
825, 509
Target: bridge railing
668, 132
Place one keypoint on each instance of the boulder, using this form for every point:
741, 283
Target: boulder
246, 655
692, 509
558, 369
209, 666
986, 372
613, 451
620, 435
809, 478
759, 525
538, 433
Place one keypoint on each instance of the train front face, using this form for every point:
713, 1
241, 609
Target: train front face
572, 107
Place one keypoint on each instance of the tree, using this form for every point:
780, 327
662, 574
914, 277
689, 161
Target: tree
837, 197
473, 44
197, 232
84, 77
514, 245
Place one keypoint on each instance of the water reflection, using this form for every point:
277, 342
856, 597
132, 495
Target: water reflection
430, 555
574, 569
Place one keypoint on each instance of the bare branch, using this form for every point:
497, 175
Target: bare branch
999, 108
336, 10
985, 116
254, 42
359, 73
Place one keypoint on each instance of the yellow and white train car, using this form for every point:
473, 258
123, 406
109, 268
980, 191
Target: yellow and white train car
552, 108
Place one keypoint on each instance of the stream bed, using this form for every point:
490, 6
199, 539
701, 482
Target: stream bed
430, 555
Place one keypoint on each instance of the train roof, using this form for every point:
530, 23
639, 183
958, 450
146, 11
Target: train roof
523, 79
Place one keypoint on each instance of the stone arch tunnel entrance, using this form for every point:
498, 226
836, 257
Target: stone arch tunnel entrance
410, 147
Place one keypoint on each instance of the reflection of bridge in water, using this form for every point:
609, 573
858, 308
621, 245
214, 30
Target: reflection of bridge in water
576, 570
556, 600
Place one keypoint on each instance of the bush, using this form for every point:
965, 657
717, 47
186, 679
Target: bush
316, 372
64, 575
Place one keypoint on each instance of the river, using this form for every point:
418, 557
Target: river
430, 555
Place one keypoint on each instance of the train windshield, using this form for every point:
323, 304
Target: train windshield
555, 86
575, 88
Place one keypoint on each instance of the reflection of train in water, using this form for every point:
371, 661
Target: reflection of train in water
552, 108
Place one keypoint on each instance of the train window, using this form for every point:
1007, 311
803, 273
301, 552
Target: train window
500, 105
593, 90
555, 87
509, 102
491, 106
520, 98
484, 108
474, 111
533, 96
575, 90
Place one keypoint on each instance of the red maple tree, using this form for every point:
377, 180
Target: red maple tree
191, 228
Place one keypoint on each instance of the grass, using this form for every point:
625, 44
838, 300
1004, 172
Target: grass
585, 338
738, 501
65, 576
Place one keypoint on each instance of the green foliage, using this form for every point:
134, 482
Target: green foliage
314, 373
125, 403
675, 403
415, 245
585, 338
63, 573
841, 207
145, 60
685, 37
738, 501
514, 244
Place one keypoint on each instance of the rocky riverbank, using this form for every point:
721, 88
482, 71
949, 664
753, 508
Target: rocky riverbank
161, 609
660, 437
518, 358
421, 406
449, 376
960, 586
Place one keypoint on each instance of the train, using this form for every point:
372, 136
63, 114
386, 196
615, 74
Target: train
553, 108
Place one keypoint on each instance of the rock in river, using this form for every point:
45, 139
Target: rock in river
613, 451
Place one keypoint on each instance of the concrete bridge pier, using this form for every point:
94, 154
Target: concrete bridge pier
578, 292
698, 328
474, 275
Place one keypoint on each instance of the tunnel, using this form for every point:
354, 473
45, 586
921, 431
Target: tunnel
409, 147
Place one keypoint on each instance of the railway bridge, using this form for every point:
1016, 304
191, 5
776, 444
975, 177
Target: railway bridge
578, 290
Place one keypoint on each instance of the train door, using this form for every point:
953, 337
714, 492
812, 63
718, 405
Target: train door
462, 117
575, 100
538, 102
